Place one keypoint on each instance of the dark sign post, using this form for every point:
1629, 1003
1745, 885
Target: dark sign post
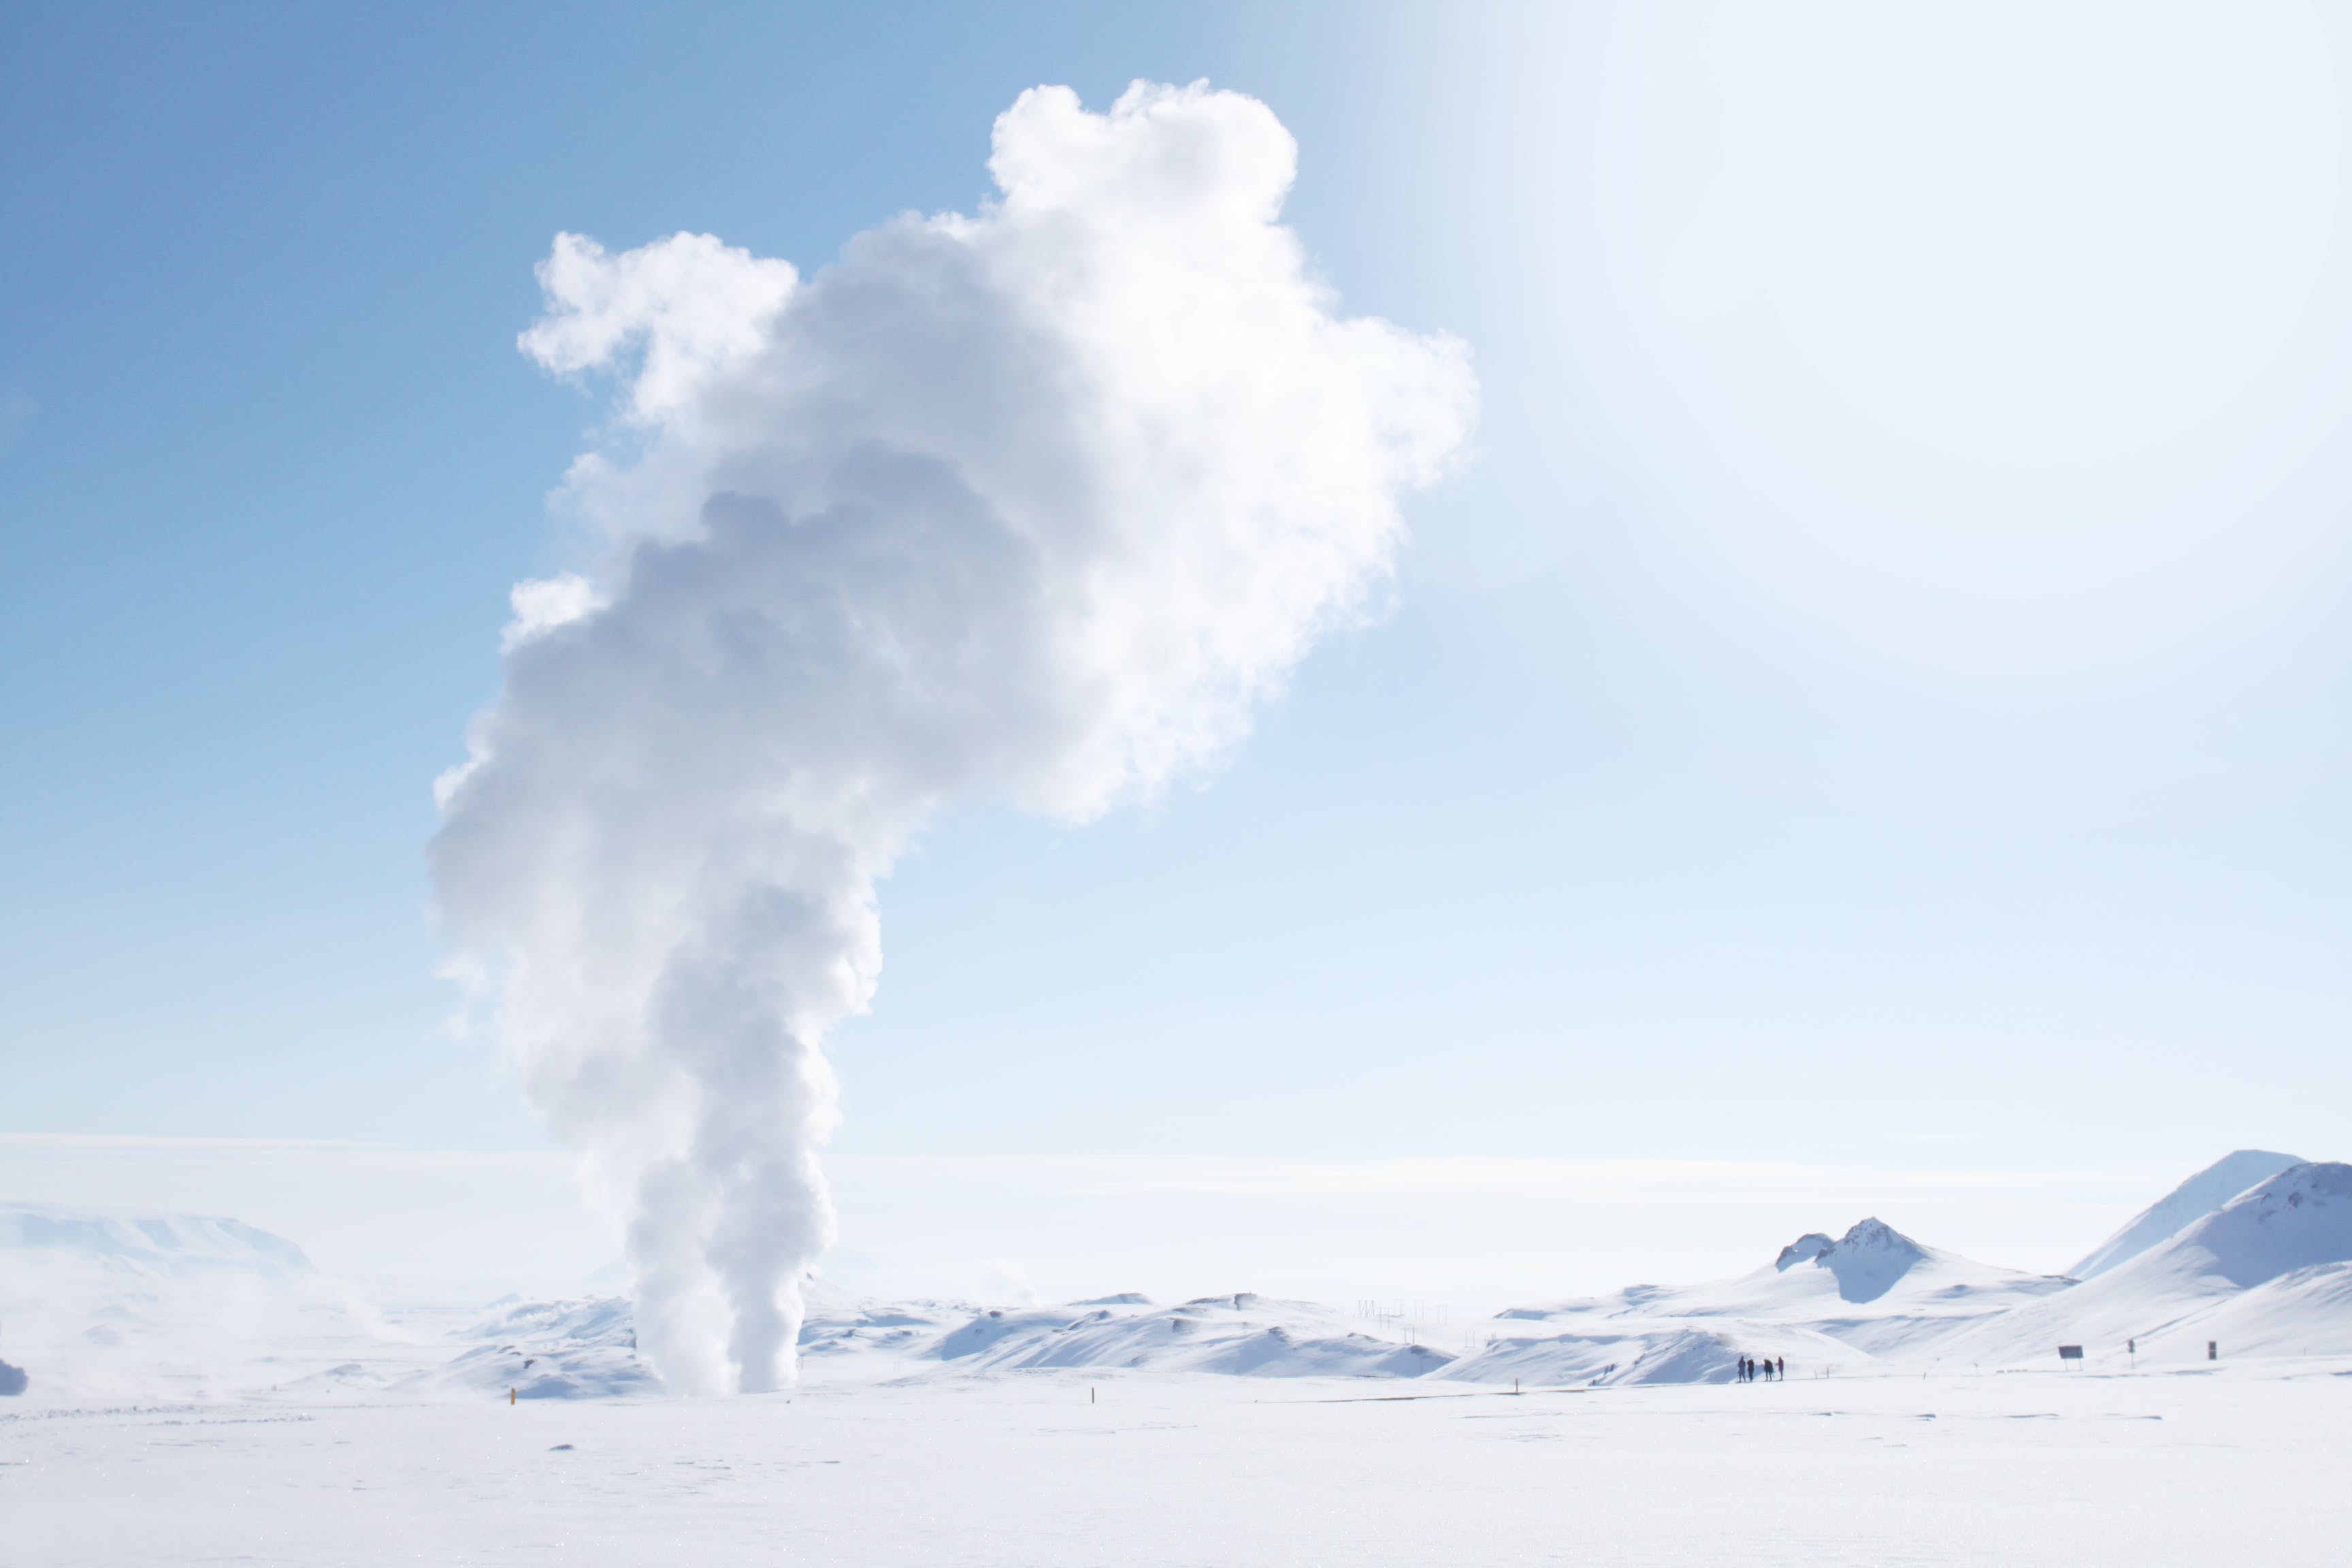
2070, 1353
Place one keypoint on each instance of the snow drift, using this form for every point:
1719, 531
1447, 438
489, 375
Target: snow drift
1039, 504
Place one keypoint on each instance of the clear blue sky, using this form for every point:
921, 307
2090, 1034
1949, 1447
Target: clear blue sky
1881, 695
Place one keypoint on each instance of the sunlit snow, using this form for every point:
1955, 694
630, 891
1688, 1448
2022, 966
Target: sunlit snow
274, 1413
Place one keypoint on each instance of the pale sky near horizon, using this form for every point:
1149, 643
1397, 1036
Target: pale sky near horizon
1877, 700
1465, 1233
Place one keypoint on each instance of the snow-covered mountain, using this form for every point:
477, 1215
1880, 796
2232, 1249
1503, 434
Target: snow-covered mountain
104, 1302
2191, 1201
165, 1244
101, 1302
1872, 1293
2270, 1273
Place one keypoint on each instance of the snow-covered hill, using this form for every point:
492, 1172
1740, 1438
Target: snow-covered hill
587, 1348
2263, 1275
168, 1244
2193, 1200
1243, 1334
549, 1350
1871, 1294
109, 1302
1637, 1352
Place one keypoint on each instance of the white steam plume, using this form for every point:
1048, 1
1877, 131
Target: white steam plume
1038, 504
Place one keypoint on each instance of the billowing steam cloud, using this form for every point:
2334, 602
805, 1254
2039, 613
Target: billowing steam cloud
1038, 504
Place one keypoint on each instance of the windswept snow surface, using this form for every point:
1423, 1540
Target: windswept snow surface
2193, 1200
1156, 1469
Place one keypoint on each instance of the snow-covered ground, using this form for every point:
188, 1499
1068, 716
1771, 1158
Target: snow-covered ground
193, 1388
2240, 1466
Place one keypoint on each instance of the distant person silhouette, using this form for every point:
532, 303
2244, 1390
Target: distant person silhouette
1780, 1370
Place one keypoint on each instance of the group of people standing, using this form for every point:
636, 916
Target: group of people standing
1750, 1369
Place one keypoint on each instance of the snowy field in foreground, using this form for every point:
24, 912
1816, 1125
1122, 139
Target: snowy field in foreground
2240, 1465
